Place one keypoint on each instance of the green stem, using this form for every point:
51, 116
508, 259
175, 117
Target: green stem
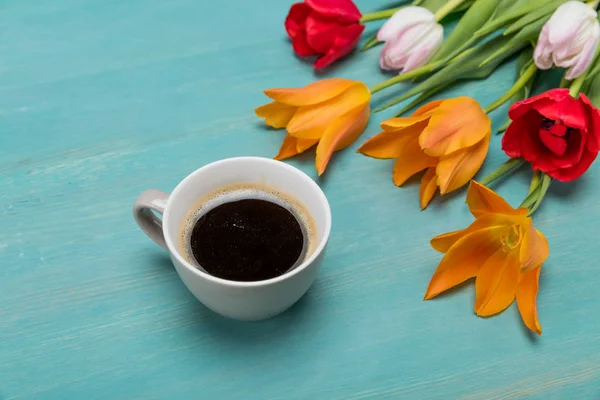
374, 16
576, 85
542, 189
403, 77
447, 9
564, 83
518, 85
502, 170
535, 181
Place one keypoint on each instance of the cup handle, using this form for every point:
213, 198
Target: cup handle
151, 200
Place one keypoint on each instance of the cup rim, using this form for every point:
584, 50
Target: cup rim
276, 164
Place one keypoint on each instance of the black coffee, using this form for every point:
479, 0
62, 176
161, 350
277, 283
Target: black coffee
247, 240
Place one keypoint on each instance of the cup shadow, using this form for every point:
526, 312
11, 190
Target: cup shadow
230, 332
241, 335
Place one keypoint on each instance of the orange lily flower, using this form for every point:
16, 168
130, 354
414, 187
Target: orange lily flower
331, 113
447, 138
501, 249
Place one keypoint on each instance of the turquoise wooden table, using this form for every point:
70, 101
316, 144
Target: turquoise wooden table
103, 99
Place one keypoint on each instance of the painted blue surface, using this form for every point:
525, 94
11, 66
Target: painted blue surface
102, 99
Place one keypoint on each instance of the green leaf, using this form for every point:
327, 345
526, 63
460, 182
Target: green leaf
465, 65
508, 167
464, 6
473, 19
593, 91
513, 13
422, 97
524, 60
545, 11
518, 41
371, 42
526, 71
503, 6
432, 5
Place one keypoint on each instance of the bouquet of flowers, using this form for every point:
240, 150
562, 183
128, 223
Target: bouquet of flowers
555, 133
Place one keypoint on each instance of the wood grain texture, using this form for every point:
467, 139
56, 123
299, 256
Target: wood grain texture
101, 99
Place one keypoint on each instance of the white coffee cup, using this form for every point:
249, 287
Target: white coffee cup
248, 301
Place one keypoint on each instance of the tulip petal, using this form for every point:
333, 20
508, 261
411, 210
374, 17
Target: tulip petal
427, 48
313, 93
276, 115
341, 133
311, 122
394, 124
464, 260
526, 299
443, 242
574, 172
593, 142
321, 32
294, 23
292, 146
549, 97
457, 169
566, 21
497, 282
301, 46
569, 111
411, 160
389, 144
457, 123
342, 10
403, 19
304, 144
585, 57
427, 108
483, 200
534, 247
345, 41
428, 187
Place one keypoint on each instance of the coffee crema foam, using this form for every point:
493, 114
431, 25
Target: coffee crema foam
245, 191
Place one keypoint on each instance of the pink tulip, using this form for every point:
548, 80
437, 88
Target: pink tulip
411, 37
569, 39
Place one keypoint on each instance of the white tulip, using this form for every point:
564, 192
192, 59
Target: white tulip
411, 37
569, 39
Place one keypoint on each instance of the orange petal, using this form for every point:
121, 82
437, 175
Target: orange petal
304, 144
341, 133
456, 169
534, 247
394, 124
311, 122
443, 242
313, 93
411, 160
526, 299
482, 199
427, 108
456, 124
464, 259
292, 146
388, 144
497, 282
276, 114
428, 187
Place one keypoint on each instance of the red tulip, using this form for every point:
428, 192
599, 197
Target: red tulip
328, 28
556, 133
